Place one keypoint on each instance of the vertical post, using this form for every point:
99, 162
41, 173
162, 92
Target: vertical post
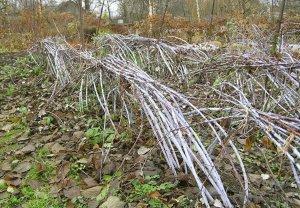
212, 12
277, 36
81, 22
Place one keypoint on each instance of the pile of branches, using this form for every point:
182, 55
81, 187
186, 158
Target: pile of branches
249, 91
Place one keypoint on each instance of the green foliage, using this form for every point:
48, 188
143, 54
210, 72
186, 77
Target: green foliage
156, 203
7, 140
75, 170
3, 185
79, 202
40, 198
41, 171
103, 193
30, 198
98, 136
142, 191
184, 202
103, 31
47, 120
10, 89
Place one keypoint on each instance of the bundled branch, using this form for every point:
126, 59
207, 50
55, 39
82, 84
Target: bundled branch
154, 55
251, 92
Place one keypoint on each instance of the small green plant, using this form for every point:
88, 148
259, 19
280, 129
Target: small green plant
10, 89
48, 120
98, 136
79, 202
156, 203
75, 170
41, 171
3, 185
184, 202
40, 198
143, 191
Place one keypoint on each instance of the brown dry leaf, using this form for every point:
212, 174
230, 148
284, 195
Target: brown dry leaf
72, 192
249, 143
91, 192
154, 195
96, 160
6, 166
70, 204
23, 138
267, 143
78, 134
26, 150
13, 179
54, 190
7, 127
63, 171
90, 182
56, 148
93, 203
35, 184
40, 167
23, 167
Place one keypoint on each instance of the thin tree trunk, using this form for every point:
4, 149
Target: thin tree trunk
150, 17
108, 9
81, 22
163, 17
87, 5
277, 36
101, 10
198, 9
212, 12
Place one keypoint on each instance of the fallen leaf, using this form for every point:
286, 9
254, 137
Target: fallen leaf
63, 171
78, 134
154, 195
265, 176
7, 127
23, 138
41, 113
6, 166
56, 148
217, 203
23, 167
26, 150
90, 182
93, 203
91, 192
12, 190
35, 184
143, 150
13, 179
249, 143
113, 201
82, 161
72, 192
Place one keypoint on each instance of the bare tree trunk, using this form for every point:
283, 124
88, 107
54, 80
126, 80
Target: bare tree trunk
277, 36
108, 9
81, 22
212, 12
273, 11
87, 5
163, 17
150, 16
101, 10
198, 9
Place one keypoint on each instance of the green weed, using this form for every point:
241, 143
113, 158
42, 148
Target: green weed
142, 191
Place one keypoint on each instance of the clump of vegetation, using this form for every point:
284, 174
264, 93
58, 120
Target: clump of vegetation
149, 190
